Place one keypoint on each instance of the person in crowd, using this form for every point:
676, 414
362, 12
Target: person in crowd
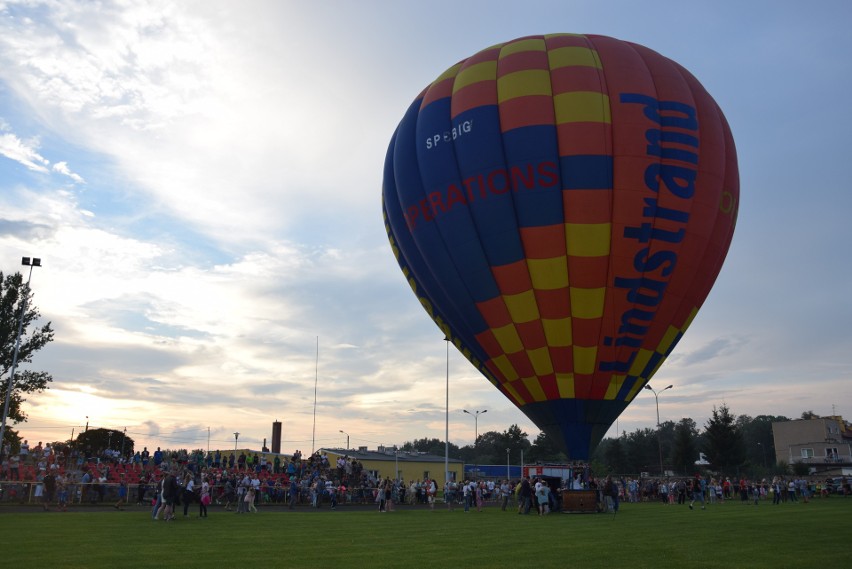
171, 489
158, 499
15, 467
242, 492
251, 496
332, 495
49, 482
541, 497
450, 489
505, 493
524, 496
122, 492
141, 488
697, 491
230, 493
431, 492
62, 492
293, 492
381, 498
188, 496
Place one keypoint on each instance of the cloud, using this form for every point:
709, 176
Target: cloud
62, 168
23, 152
24, 230
718, 347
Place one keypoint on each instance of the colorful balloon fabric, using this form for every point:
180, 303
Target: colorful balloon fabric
561, 206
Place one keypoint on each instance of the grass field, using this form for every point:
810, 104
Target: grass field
794, 535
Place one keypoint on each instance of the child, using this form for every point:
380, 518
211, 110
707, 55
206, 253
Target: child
205, 499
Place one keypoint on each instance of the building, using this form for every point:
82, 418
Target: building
408, 465
824, 443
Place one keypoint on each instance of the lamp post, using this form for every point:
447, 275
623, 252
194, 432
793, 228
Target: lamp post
475, 415
763, 451
395, 463
507, 466
236, 438
659, 437
26, 261
347, 439
447, 421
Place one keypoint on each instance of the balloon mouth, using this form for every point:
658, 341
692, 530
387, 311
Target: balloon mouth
577, 425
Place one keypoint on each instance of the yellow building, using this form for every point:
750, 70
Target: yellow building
407, 465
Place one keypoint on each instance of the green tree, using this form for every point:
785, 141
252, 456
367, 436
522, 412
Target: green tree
723, 440
801, 468
643, 451
758, 439
431, 446
685, 450
545, 449
13, 291
491, 446
616, 458
94, 441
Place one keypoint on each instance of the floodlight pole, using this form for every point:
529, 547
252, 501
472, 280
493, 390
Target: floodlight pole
659, 436
236, 439
475, 416
447, 422
508, 469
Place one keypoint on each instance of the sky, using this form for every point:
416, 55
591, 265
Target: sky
202, 181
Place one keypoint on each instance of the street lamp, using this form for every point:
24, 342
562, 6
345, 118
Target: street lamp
475, 415
236, 438
447, 421
26, 261
507, 466
395, 463
763, 451
659, 436
347, 439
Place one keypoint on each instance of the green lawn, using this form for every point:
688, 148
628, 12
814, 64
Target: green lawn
794, 535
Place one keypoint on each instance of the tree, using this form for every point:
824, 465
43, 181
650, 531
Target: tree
801, 468
723, 440
685, 448
545, 449
431, 446
643, 450
758, 439
94, 441
13, 290
616, 458
491, 446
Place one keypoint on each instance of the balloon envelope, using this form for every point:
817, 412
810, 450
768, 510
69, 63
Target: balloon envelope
561, 206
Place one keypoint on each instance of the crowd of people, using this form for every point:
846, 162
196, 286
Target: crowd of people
167, 480
712, 489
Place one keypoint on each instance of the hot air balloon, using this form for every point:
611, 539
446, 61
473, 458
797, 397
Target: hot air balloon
561, 206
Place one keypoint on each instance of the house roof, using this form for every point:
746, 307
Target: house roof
388, 455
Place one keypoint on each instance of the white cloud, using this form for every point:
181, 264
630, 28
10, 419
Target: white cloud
62, 168
23, 152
